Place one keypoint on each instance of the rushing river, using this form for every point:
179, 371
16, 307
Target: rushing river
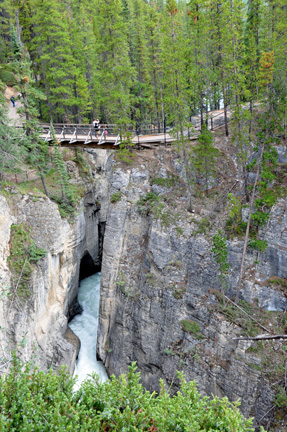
85, 326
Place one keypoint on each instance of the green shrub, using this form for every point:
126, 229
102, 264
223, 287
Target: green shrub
278, 281
23, 254
37, 401
7, 77
117, 196
169, 351
179, 290
192, 327
203, 225
165, 182
257, 244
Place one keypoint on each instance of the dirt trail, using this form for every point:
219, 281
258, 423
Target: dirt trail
14, 117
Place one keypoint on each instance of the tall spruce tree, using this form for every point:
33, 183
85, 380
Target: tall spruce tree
114, 73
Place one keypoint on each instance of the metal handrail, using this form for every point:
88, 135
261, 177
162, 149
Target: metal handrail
100, 142
73, 137
117, 140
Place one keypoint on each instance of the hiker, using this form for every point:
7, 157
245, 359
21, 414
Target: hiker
105, 131
12, 99
96, 124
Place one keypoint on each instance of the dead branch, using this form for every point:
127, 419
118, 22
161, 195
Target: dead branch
249, 316
261, 337
247, 228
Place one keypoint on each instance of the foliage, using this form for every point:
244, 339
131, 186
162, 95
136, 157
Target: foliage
168, 351
31, 400
117, 196
234, 223
277, 281
151, 204
68, 198
7, 77
281, 398
23, 254
257, 244
125, 153
192, 327
203, 225
147, 202
203, 157
164, 181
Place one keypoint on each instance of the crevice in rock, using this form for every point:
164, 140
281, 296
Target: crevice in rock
88, 267
101, 230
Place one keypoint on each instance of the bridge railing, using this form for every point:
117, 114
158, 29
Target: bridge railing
87, 133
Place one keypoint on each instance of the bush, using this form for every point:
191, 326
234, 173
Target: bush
192, 327
7, 77
117, 196
257, 244
23, 254
31, 400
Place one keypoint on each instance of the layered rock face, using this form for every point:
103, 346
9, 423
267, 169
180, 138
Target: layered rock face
159, 302
37, 324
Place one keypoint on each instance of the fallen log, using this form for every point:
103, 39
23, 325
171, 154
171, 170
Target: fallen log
261, 337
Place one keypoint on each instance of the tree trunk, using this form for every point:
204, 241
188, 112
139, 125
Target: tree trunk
44, 185
247, 228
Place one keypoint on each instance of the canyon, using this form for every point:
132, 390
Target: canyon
161, 298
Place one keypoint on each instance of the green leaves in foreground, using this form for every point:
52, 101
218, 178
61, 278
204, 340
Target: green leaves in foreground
37, 401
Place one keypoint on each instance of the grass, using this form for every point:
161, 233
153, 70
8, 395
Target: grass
191, 327
169, 181
203, 225
277, 282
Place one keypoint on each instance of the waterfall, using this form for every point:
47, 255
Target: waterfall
85, 326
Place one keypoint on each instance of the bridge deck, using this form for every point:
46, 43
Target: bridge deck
148, 136
111, 142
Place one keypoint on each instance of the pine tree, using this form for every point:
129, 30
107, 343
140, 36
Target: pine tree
203, 157
113, 73
155, 64
142, 102
55, 60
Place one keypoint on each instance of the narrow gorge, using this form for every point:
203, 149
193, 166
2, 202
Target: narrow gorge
161, 298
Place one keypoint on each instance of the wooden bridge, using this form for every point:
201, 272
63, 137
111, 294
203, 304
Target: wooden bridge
148, 136
73, 135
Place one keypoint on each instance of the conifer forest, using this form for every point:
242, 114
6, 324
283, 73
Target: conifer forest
136, 62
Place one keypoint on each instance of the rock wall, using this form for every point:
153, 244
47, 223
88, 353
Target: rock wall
38, 326
158, 277
159, 300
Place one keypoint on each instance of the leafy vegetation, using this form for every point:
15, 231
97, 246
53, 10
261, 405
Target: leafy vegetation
117, 196
192, 327
37, 401
23, 254
168, 181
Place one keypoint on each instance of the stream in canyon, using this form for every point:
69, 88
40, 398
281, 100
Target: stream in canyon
85, 326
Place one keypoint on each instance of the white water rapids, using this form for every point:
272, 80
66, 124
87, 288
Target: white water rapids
85, 326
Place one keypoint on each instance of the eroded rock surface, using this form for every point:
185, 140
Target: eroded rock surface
159, 275
37, 325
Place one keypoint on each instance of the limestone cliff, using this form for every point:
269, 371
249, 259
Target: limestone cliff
160, 299
36, 324
160, 302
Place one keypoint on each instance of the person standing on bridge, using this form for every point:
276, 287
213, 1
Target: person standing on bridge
96, 124
105, 131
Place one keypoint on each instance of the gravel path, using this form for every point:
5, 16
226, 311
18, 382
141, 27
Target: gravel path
14, 116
